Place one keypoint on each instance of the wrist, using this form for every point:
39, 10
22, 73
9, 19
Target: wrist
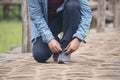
77, 39
50, 40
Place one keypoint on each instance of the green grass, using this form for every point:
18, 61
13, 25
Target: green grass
10, 34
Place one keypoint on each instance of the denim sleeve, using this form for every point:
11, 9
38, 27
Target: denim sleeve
37, 17
85, 20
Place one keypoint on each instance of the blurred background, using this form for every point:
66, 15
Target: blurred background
105, 15
10, 24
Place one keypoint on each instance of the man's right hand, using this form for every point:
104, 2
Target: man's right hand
54, 46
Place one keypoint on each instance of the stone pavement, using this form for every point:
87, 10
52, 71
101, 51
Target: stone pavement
99, 59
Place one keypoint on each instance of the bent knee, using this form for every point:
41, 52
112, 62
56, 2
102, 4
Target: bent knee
41, 58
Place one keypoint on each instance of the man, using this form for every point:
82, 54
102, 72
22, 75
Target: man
49, 18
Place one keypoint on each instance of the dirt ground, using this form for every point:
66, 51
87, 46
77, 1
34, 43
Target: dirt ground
99, 59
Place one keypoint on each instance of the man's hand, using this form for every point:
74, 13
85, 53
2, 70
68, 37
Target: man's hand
72, 46
54, 46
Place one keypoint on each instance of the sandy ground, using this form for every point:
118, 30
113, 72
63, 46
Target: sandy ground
99, 59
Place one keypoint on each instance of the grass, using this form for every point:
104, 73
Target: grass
10, 34
11, 30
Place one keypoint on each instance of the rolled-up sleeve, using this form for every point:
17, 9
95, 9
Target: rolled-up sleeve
85, 20
37, 17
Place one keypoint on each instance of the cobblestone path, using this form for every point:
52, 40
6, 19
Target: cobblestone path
99, 59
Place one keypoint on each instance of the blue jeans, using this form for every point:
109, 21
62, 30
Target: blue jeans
67, 22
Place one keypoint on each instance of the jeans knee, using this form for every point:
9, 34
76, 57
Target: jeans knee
71, 5
41, 58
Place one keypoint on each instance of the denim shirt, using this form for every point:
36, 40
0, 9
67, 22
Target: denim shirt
39, 18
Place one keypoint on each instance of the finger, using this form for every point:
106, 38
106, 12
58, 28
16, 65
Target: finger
67, 47
59, 47
54, 50
57, 50
72, 50
68, 50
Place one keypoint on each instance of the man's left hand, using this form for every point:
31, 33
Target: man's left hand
72, 46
